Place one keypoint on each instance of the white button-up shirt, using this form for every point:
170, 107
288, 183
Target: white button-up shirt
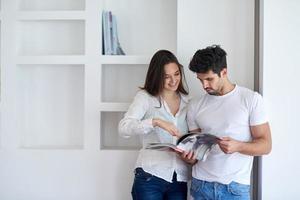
138, 121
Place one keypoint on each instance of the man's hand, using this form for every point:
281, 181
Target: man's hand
229, 145
188, 157
260, 144
167, 126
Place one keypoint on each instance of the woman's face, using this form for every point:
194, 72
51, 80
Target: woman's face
172, 77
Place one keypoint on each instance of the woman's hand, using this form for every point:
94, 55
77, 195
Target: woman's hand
167, 126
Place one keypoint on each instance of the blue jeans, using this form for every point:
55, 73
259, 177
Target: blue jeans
203, 190
149, 187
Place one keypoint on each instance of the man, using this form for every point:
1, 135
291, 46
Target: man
236, 115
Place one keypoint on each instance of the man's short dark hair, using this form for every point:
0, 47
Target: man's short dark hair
211, 58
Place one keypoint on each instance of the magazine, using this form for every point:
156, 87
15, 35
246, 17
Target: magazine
199, 143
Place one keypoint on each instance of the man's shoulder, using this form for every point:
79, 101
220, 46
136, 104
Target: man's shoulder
249, 97
244, 89
247, 93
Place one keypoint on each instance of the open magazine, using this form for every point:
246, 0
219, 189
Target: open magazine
199, 143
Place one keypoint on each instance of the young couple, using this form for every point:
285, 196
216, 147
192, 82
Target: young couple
161, 112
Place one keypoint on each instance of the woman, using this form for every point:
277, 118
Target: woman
158, 114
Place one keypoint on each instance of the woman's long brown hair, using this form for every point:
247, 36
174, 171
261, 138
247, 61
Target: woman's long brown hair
154, 82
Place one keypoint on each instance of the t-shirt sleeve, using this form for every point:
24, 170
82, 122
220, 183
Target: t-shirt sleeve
191, 115
257, 111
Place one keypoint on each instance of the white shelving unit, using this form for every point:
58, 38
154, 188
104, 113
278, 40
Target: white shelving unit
66, 88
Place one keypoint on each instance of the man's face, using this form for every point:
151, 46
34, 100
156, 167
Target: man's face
212, 83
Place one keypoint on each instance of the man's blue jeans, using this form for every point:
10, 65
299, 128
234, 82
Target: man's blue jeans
149, 187
203, 190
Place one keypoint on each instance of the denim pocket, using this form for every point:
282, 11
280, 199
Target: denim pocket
238, 189
142, 175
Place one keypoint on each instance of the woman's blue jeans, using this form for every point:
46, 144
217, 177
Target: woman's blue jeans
203, 190
149, 187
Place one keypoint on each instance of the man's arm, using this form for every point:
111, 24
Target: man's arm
261, 142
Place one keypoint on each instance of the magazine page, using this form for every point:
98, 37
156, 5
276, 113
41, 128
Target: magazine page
199, 143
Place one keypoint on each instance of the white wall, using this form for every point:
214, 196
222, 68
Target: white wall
228, 23
280, 174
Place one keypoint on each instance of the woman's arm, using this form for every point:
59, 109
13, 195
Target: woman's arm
133, 122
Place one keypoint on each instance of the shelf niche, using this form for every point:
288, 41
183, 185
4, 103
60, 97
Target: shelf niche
51, 37
40, 5
110, 138
152, 25
121, 82
51, 106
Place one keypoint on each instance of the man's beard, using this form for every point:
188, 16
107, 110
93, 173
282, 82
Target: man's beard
212, 92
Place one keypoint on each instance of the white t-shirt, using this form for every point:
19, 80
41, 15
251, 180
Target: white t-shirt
229, 115
138, 121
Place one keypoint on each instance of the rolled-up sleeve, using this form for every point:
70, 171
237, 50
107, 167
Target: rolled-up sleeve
134, 122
